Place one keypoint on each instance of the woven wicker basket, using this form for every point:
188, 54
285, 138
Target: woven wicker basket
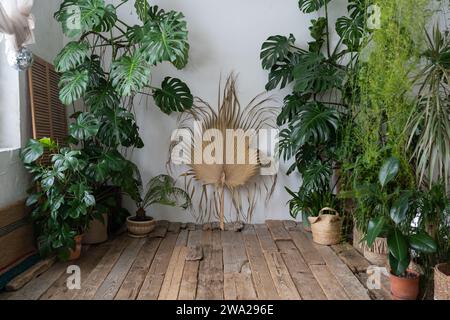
378, 253
442, 282
326, 228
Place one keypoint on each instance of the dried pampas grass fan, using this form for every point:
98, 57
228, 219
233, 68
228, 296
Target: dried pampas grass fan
242, 181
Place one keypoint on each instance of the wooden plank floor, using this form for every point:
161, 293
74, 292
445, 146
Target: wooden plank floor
276, 260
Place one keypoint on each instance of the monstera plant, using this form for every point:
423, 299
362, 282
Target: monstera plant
322, 79
104, 67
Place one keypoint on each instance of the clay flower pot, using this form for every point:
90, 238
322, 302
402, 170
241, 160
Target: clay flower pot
140, 229
405, 288
75, 253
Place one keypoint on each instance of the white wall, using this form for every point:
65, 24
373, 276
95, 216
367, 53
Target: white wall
14, 180
225, 36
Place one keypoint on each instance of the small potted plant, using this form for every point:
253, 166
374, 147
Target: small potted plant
404, 282
308, 204
160, 190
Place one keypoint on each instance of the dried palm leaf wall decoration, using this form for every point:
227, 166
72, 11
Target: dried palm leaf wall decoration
238, 173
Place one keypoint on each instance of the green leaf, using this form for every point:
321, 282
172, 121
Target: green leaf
166, 39
351, 31
174, 95
130, 74
101, 97
309, 6
315, 123
374, 229
66, 159
316, 176
79, 16
33, 199
400, 208
85, 127
280, 75
314, 74
49, 144
318, 32
292, 106
142, 9
422, 242
398, 245
388, 171
275, 49
32, 151
108, 21
73, 55
73, 85
118, 127
398, 267
88, 199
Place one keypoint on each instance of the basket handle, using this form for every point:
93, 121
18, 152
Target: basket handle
328, 209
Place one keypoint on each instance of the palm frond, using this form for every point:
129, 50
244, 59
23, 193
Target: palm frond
213, 181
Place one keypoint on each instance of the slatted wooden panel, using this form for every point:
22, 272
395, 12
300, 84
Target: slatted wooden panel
48, 113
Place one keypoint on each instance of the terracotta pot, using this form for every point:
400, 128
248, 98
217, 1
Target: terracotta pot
405, 288
75, 253
140, 229
97, 231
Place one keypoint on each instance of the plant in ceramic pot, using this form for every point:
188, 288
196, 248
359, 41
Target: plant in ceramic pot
308, 203
160, 190
61, 200
105, 67
394, 221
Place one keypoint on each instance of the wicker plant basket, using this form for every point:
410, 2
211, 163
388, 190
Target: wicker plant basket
442, 282
326, 228
378, 253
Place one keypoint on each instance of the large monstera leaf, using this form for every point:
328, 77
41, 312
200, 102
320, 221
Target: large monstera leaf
275, 49
130, 74
108, 20
351, 31
308, 6
79, 16
174, 96
316, 123
73, 85
314, 74
166, 39
73, 55
118, 128
84, 127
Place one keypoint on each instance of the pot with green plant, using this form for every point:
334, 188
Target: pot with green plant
402, 240
160, 190
61, 200
105, 66
395, 222
308, 203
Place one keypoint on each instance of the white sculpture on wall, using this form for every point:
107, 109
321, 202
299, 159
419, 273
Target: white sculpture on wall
16, 28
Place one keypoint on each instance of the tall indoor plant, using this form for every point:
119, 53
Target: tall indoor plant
104, 67
324, 80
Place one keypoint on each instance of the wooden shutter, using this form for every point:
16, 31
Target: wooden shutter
48, 113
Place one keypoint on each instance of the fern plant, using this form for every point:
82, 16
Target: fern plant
321, 77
